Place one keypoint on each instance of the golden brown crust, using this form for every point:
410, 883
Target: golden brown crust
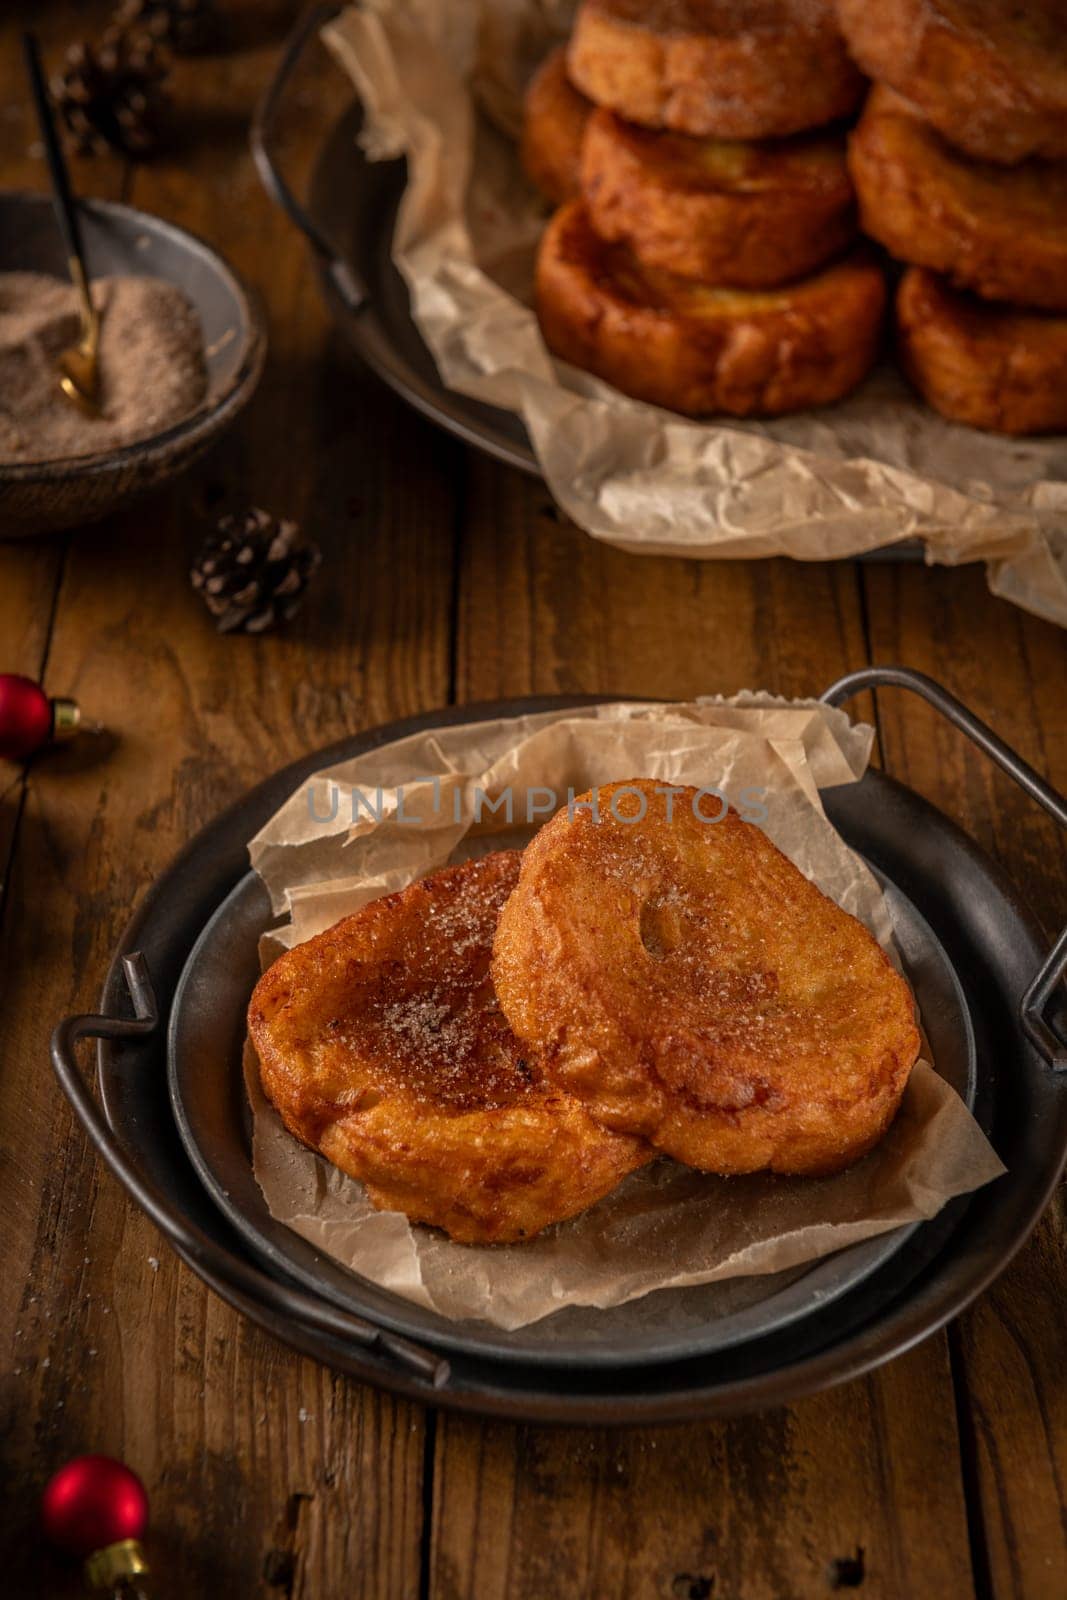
991, 366
1001, 231
723, 211
553, 126
382, 1045
690, 985
701, 350
735, 69
991, 75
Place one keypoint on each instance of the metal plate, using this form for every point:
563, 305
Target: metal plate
994, 950
205, 1038
354, 201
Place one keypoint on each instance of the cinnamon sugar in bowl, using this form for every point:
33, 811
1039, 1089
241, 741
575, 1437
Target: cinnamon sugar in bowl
213, 343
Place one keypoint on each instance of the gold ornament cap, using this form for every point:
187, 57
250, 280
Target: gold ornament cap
111, 1566
66, 720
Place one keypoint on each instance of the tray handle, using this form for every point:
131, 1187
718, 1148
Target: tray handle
261, 137
181, 1233
1032, 1006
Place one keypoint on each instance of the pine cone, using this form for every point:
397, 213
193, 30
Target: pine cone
112, 94
253, 572
183, 26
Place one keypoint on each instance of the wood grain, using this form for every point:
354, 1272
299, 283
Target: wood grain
786, 1504
270, 1476
1012, 670
544, 609
29, 574
267, 1474
860, 1485
27, 586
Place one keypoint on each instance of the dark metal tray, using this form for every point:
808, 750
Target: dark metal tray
210, 1106
1020, 1098
349, 221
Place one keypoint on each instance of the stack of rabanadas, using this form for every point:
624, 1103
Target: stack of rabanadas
704, 255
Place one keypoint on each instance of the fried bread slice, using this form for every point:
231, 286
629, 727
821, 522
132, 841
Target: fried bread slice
382, 1045
991, 75
989, 365
752, 215
700, 349
555, 114
684, 980
734, 69
1001, 231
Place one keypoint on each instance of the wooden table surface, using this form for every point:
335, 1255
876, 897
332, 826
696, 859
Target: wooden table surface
447, 578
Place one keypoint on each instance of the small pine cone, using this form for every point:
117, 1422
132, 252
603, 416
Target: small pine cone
112, 95
183, 26
253, 572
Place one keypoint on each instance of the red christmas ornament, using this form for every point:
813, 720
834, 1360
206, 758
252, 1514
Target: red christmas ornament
97, 1509
29, 719
91, 1502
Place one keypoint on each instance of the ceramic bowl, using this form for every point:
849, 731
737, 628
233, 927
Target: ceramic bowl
44, 496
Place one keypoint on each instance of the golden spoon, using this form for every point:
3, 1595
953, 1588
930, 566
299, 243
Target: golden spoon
79, 374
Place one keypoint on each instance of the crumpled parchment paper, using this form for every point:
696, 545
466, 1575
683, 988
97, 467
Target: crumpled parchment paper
666, 1226
441, 82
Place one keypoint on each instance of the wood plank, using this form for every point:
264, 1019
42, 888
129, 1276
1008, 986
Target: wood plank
1012, 670
268, 1474
29, 569
859, 1485
801, 1501
544, 609
28, 577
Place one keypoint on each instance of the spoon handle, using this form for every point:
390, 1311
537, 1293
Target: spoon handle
62, 195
